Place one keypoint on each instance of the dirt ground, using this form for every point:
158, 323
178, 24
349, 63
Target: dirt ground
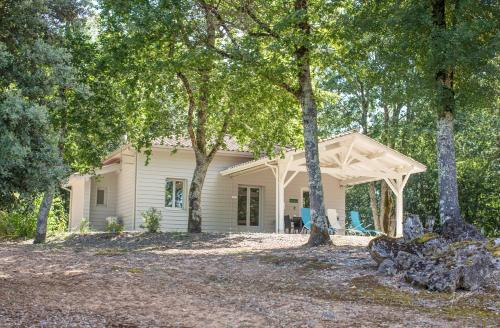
218, 280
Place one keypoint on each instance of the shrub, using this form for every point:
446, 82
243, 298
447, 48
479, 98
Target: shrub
58, 219
20, 221
84, 226
114, 224
151, 219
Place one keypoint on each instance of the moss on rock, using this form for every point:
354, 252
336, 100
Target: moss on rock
425, 238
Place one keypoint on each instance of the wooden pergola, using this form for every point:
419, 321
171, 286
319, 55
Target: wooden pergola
352, 158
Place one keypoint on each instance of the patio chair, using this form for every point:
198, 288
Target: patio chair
297, 224
357, 228
331, 229
288, 224
306, 219
332, 221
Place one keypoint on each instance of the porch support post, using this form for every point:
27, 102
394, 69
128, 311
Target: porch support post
283, 165
399, 214
275, 170
397, 186
281, 202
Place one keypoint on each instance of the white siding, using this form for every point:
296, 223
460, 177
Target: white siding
125, 184
217, 190
141, 186
334, 195
86, 198
76, 202
98, 213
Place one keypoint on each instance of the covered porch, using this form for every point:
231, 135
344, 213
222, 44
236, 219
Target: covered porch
350, 158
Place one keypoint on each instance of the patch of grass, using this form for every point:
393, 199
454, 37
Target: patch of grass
367, 289
135, 270
237, 251
306, 263
111, 251
454, 311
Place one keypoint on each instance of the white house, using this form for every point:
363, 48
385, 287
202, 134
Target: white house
240, 193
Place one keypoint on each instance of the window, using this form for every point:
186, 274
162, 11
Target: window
306, 203
249, 206
174, 193
100, 197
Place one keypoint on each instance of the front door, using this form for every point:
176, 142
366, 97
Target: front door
249, 208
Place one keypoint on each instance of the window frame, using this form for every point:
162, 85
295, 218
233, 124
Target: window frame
105, 196
184, 185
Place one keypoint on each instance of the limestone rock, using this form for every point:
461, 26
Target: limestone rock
405, 260
456, 257
458, 230
387, 267
462, 265
412, 228
384, 247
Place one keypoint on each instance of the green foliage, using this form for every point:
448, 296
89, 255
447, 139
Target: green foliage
113, 225
151, 219
29, 158
20, 222
390, 75
84, 226
145, 45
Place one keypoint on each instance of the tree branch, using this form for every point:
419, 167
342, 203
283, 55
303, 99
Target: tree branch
192, 105
222, 133
246, 10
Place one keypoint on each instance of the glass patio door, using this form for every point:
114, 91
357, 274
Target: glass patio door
249, 207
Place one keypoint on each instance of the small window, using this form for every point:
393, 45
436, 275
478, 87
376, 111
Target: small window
174, 193
100, 197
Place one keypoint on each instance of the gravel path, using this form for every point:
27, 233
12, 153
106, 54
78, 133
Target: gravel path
217, 280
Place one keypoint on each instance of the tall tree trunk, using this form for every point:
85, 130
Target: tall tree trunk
319, 226
195, 192
373, 205
384, 192
389, 214
198, 134
48, 196
447, 171
43, 215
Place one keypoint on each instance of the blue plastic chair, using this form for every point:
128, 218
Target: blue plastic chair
357, 227
305, 213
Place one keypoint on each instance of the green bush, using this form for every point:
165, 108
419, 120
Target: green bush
84, 226
20, 222
114, 224
151, 219
58, 219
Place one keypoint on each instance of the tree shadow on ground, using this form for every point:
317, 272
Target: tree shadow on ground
139, 240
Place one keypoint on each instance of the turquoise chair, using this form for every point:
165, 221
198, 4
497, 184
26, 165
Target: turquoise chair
357, 227
305, 213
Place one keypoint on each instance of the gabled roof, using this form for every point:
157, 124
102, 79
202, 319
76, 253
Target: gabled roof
229, 144
351, 157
